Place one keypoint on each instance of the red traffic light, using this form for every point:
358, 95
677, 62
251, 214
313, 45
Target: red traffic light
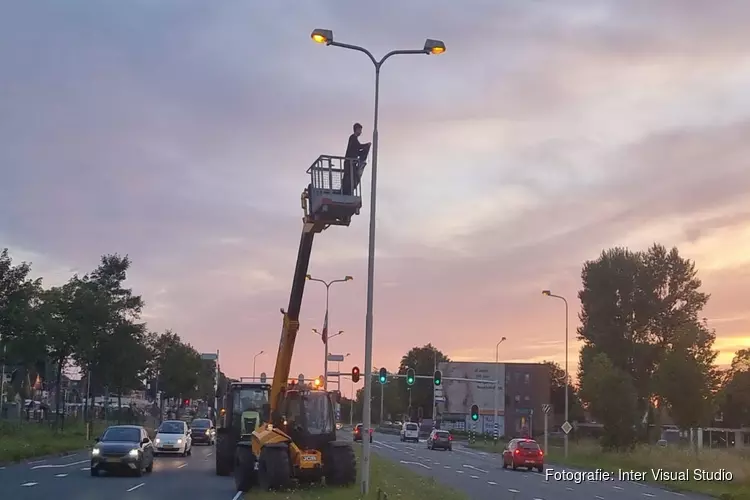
355, 374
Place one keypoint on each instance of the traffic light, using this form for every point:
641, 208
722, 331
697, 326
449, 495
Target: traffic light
383, 375
438, 377
355, 374
474, 413
410, 376
186, 403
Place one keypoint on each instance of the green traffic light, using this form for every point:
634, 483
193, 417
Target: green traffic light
475, 417
382, 380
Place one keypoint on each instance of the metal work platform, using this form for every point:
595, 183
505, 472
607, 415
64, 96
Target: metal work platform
334, 193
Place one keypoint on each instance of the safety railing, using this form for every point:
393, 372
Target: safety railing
335, 175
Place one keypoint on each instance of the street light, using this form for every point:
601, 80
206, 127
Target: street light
324, 335
567, 382
430, 47
497, 383
254, 359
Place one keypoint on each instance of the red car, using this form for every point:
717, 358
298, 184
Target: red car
358, 433
523, 453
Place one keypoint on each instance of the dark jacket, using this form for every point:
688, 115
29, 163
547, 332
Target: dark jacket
353, 148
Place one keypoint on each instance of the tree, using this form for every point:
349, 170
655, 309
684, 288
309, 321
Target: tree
611, 399
557, 393
423, 360
635, 308
734, 397
178, 366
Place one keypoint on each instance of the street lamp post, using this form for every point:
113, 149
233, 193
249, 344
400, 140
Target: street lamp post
567, 379
430, 47
324, 335
497, 383
254, 359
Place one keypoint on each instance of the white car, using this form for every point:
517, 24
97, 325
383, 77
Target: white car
173, 437
410, 432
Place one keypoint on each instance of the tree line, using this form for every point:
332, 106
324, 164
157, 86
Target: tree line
93, 323
648, 353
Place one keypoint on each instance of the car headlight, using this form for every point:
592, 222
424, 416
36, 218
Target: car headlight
208, 432
134, 453
179, 441
157, 440
95, 452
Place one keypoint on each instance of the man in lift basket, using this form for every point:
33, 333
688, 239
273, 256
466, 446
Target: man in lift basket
358, 151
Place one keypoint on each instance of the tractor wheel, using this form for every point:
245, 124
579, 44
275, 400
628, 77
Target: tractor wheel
340, 465
245, 475
274, 468
223, 457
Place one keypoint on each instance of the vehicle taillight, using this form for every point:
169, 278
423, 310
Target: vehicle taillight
541, 453
450, 437
518, 451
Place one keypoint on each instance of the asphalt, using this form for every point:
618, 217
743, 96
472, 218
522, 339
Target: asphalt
480, 475
68, 478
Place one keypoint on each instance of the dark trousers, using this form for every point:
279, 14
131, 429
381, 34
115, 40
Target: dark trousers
353, 171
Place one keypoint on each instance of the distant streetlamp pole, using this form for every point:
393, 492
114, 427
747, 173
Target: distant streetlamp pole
430, 47
338, 369
497, 383
254, 360
324, 334
567, 379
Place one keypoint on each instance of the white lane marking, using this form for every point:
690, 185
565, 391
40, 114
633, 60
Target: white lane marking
389, 446
135, 487
26, 485
513, 491
446, 466
61, 475
209, 454
37, 461
181, 466
475, 477
648, 495
58, 466
474, 468
459, 472
436, 463
85, 468
415, 463
493, 483
569, 489
598, 497
678, 493
237, 495
617, 488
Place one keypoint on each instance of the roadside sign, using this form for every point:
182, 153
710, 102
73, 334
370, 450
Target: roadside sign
210, 356
566, 427
547, 409
336, 358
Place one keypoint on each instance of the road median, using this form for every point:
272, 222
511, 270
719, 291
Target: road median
722, 474
392, 480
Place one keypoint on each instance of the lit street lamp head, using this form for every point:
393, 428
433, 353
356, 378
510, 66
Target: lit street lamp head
546, 292
348, 278
323, 36
434, 47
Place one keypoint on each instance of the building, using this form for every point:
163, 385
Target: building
522, 389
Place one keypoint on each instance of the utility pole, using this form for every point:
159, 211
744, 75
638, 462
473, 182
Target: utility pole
382, 392
497, 383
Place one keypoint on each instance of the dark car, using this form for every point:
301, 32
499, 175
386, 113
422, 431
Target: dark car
523, 453
202, 431
124, 448
440, 440
358, 433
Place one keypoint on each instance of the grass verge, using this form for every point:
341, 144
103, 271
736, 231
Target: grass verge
588, 455
395, 480
23, 440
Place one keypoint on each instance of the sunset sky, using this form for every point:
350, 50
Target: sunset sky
179, 132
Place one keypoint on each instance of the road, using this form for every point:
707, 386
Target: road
68, 478
481, 476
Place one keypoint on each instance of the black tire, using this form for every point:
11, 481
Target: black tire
223, 459
94, 472
340, 465
245, 475
540, 468
274, 468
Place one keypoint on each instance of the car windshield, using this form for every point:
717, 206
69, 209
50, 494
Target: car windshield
201, 423
359, 427
172, 428
127, 434
412, 427
528, 445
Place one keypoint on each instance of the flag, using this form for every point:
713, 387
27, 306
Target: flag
325, 329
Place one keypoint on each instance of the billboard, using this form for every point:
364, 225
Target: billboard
459, 396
